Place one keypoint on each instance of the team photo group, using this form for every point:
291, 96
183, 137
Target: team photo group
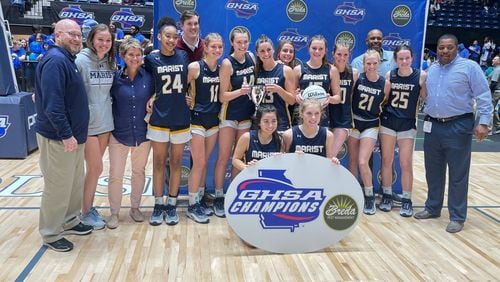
251, 104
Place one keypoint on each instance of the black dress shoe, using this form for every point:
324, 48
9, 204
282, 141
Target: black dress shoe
425, 215
454, 226
61, 245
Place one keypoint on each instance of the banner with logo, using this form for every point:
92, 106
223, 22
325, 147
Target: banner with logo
125, 16
299, 20
17, 120
289, 203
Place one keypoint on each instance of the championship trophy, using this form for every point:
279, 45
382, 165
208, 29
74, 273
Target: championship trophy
257, 95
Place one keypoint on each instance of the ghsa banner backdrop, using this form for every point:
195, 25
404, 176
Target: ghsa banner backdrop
299, 20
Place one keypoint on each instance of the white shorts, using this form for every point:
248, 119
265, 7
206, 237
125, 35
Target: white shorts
200, 130
161, 134
408, 134
240, 125
367, 133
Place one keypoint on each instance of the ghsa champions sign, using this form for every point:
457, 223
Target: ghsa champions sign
293, 203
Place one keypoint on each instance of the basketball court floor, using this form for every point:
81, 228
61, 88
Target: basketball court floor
384, 246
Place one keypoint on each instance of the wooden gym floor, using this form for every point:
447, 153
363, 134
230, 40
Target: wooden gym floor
383, 247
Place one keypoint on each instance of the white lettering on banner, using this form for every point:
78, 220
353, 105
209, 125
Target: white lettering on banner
31, 121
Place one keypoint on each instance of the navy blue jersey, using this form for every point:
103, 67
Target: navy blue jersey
403, 98
241, 108
315, 145
170, 76
367, 97
341, 114
205, 90
319, 76
258, 151
276, 76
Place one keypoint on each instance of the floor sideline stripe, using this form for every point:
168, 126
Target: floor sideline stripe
26, 271
487, 215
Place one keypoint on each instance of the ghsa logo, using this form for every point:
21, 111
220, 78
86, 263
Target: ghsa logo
127, 18
4, 125
349, 13
74, 12
242, 8
299, 41
278, 204
393, 40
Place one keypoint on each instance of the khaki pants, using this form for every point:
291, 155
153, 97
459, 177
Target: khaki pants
63, 174
118, 154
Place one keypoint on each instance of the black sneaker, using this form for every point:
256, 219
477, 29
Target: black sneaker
79, 229
219, 207
406, 208
369, 207
208, 209
61, 245
386, 203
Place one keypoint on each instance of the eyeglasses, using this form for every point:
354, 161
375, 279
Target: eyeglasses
73, 34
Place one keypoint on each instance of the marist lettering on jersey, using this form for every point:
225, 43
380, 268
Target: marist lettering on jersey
370, 90
262, 155
345, 82
170, 68
268, 80
207, 79
245, 71
402, 86
318, 77
310, 148
101, 77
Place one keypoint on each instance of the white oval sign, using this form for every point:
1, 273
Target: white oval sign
293, 203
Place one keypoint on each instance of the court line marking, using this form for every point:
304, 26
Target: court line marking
487, 215
33, 262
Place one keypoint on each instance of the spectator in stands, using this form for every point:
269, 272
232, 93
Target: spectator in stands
462, 51
24, 43
434, 7
18, 50
18, 54
475, 51
190, 40
20, 5
135, 31
495, 93
374, 42
486, 52
36, 48
36, 30
119, 35
51, 38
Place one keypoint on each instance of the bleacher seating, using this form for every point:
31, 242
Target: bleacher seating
464, 13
